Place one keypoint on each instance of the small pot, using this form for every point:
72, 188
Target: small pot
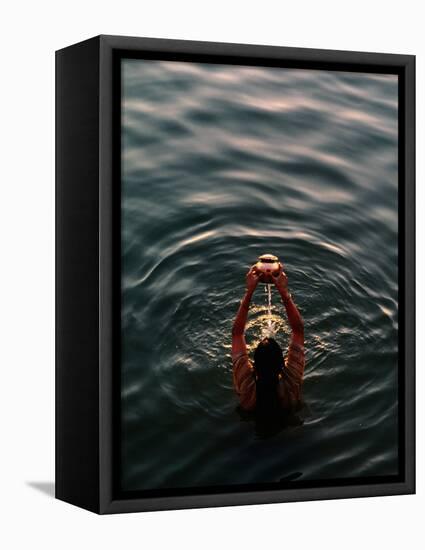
268, 265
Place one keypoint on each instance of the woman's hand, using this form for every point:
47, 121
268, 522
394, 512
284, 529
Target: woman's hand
281, 281
252, 278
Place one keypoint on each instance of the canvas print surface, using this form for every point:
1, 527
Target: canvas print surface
289, 374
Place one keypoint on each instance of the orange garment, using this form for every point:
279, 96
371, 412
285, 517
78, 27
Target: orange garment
290, 382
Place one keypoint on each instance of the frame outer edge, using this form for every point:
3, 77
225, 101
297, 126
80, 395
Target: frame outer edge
410, 278
164, 45
107, 504
105, 278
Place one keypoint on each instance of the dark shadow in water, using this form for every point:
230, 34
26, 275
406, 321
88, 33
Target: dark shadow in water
271, 426
46, 487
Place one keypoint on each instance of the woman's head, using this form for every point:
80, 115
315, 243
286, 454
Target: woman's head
268, 360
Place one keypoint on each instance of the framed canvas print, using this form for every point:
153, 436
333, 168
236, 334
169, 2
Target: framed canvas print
235, 274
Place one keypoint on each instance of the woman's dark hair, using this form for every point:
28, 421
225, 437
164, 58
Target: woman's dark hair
268, 364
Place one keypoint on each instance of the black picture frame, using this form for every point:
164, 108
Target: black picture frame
87, 270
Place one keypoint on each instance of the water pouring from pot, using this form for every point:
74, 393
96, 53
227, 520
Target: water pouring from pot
268, 266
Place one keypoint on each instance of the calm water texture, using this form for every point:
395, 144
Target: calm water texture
219, 165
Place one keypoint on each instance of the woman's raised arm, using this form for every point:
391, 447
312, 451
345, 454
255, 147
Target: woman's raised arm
238, 329
294, 316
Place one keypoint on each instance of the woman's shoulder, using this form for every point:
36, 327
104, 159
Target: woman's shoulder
240, 356
291, 381
244, 380
241, 361
295, 347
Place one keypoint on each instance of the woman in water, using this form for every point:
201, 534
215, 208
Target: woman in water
271, 384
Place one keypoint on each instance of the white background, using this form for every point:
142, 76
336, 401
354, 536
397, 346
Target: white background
30, 31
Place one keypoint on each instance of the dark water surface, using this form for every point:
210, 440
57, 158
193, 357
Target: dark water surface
219, 165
